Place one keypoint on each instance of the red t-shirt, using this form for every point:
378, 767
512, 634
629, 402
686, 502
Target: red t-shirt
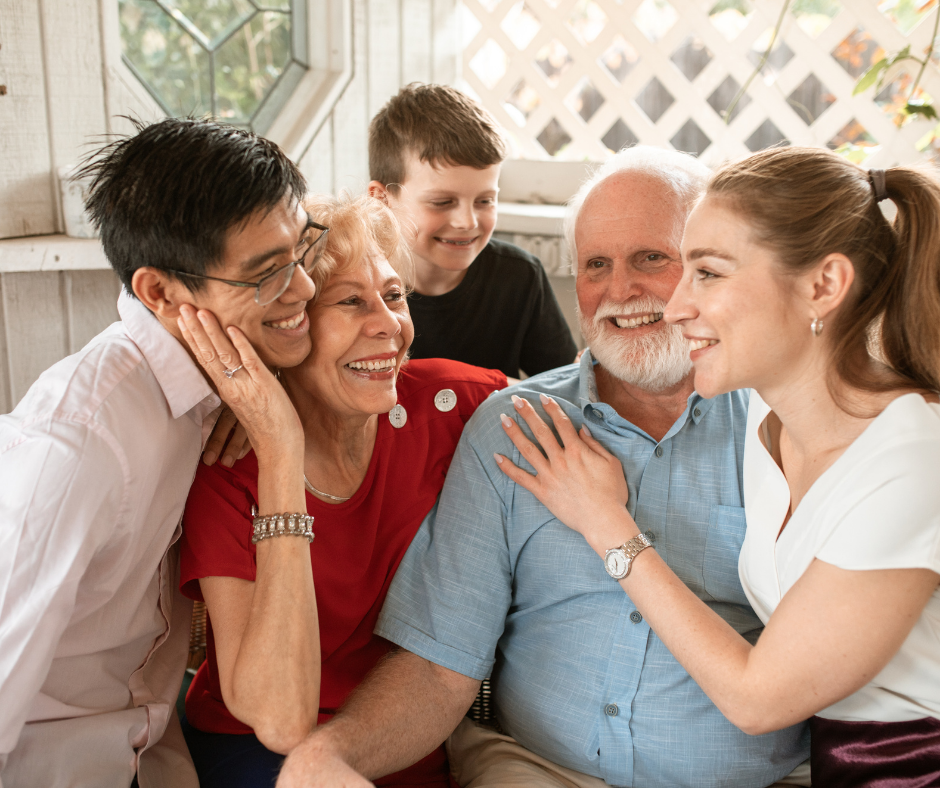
358, 544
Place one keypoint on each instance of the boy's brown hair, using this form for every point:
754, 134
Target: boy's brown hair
438, 123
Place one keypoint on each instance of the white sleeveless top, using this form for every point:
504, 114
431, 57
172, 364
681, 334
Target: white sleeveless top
876, 507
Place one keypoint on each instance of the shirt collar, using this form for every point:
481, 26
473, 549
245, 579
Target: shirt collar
182, 383
696, 406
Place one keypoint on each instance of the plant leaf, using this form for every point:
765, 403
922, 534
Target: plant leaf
918, 107
869, 77
904, 53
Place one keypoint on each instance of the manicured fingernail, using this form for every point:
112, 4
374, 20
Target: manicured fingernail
517, 401
545, 400
498, 458
507, 422
209, 457
586, 430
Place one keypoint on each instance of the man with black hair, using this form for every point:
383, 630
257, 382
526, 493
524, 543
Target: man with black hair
98, 457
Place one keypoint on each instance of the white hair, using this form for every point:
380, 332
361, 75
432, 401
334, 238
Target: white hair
685, 175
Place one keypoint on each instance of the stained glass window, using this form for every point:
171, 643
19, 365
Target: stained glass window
236, 60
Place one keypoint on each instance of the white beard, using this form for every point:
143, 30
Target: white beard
655, 361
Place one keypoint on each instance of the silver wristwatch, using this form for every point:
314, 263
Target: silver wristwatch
618, 560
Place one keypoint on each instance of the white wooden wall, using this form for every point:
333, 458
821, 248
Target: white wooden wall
65, 88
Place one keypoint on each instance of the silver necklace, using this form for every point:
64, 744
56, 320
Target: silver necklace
314, 490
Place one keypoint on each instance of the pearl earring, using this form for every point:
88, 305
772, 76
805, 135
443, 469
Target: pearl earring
816, 326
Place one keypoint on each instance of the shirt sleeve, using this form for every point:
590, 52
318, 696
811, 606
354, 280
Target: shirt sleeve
449, 599
217, 527
890, 516
61, 501
547, 343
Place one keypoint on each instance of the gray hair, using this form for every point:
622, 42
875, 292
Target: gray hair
685, 175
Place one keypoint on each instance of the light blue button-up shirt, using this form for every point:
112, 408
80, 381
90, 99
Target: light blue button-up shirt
494, 582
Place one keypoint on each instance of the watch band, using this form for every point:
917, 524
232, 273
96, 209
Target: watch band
619, 569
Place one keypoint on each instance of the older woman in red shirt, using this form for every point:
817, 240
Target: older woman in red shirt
290, 636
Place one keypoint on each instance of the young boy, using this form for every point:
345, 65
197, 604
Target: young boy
434, 157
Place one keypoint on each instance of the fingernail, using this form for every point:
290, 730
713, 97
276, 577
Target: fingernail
517, 401
586, 430
507, 422
498, 458
203, 318
209, 457
228, 460
545, 400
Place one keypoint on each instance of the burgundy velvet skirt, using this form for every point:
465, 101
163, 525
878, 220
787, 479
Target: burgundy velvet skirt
875, 754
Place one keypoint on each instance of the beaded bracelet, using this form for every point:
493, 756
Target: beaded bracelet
282, 525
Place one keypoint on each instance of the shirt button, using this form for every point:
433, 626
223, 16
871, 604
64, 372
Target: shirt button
398, 416
635, 617
445, 400
597, 413
659, 451
697, 412
611, 710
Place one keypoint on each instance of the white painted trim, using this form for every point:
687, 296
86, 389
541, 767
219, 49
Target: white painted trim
514, 217
330, 42
51, 253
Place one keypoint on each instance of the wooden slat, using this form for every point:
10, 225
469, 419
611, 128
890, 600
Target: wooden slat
384, 52
91, 304
317, 163
25, 170
123, 94
75, 92
36, 330
350, 118
416, 35
445, 46
6, 400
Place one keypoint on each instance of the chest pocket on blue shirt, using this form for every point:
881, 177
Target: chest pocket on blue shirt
726, 527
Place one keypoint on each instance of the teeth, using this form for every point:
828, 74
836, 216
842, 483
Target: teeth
291, 323
633, 322
373, 366
455, 243
698, 344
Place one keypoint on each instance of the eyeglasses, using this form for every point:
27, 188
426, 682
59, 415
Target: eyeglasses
271, 287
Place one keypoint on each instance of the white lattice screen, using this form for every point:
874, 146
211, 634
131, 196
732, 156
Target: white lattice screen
575, 79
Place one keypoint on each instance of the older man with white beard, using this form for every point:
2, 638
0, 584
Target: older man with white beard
584, 692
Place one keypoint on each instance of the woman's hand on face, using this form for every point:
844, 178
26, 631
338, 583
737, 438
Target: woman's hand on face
580, 482
256, 398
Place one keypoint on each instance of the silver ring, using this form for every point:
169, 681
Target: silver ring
230, 373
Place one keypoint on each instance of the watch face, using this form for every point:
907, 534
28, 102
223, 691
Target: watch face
616, 563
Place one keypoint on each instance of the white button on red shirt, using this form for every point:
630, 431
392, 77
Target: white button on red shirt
96, 463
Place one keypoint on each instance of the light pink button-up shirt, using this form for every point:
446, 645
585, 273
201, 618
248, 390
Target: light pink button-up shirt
95, 466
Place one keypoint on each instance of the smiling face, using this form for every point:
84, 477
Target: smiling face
453, 210
627, 238
279, 331
361, 333
742, 317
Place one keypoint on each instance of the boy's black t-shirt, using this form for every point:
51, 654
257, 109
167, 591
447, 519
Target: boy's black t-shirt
503, 315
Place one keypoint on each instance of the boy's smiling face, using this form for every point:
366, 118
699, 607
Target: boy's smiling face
453, 210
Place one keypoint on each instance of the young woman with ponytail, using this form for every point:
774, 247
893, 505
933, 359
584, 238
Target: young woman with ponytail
796, 285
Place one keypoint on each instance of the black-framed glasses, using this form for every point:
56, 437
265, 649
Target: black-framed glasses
271, 287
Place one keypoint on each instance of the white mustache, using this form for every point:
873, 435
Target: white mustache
611, 309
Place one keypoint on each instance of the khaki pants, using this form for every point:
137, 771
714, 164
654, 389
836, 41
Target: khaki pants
482, 758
